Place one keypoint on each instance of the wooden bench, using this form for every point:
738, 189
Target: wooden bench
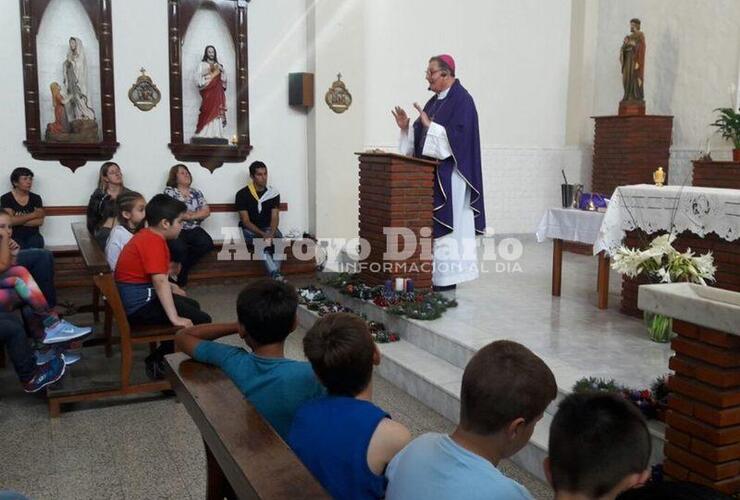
70, 271
129, 336
245, 457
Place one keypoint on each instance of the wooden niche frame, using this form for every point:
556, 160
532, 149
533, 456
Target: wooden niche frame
71, 155
234, 14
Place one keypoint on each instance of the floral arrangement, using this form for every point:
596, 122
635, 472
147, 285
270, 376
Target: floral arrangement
651, 402
664, 264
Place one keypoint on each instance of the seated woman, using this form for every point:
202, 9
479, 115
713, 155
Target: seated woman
19, 290
25, 208
194, 242
101, 210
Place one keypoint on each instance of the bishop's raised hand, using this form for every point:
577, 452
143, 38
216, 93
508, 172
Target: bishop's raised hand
402, 119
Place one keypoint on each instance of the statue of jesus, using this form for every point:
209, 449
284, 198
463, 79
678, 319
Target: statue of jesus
211, 80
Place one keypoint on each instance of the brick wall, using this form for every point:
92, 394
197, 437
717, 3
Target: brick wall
718, 174
394, 193
628, 149
703, 420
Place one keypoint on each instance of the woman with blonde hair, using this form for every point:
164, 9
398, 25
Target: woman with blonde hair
101, 209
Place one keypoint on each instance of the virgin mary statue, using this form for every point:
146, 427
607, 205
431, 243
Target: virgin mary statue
75, 82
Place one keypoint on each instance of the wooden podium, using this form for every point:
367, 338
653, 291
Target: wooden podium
396, 191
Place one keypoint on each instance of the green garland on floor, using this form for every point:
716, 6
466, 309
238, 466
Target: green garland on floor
420, 304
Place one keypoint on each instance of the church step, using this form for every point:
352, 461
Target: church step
444, 345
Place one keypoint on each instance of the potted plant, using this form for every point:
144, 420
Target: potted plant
728, 124
661, 263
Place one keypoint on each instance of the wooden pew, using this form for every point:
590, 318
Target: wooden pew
96, 264
70, 269
245, 458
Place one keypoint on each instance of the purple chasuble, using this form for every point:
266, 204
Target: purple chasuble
457, 114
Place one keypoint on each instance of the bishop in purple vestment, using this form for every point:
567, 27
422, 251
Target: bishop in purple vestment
447, 130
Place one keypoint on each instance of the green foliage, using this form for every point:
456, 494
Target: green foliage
728, 125
596, 384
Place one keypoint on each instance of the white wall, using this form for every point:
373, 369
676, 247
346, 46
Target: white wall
338, 48
511, 56
277, 41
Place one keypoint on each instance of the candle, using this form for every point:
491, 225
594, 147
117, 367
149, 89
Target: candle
410, 285
388, 286
399, 284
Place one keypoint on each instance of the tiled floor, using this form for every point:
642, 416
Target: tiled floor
144, 450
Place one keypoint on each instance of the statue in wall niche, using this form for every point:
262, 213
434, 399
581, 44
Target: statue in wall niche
211, 80
74, 119
75, 82
632, 58
58, 100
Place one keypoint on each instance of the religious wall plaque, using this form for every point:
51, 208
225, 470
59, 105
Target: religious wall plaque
144, 94
338, 97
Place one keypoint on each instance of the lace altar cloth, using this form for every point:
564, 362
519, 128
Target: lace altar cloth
700, 210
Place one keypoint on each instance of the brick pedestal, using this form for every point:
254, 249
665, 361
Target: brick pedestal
726, 258
718, 174
396, 191
703, 420
628, 149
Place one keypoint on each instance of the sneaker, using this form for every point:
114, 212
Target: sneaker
64, 331
70, 357
45, 374
43, 356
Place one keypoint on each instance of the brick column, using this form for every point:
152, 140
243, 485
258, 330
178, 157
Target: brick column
717, 174
396, 191
628, 149
703, 420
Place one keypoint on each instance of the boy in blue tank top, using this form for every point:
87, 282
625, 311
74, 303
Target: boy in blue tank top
276, 386
344, 439
505, 390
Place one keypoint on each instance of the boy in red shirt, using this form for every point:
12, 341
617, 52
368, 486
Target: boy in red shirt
142, 278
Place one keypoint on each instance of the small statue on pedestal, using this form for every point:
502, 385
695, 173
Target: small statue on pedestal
632, 59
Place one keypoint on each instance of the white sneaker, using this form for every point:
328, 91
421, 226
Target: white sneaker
70, 357
64, 331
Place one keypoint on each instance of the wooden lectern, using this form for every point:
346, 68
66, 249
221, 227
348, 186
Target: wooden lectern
396, 191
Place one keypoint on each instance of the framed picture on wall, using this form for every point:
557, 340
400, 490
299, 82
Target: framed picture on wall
69, 96
209, 94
